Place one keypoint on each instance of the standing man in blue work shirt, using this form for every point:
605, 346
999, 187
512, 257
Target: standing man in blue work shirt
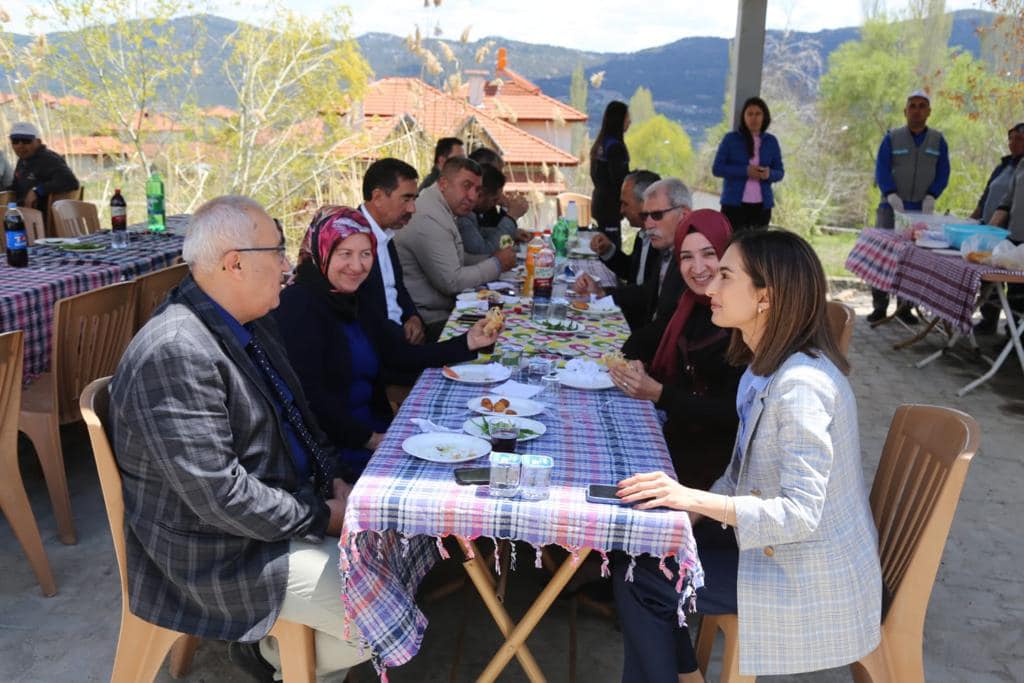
912, 170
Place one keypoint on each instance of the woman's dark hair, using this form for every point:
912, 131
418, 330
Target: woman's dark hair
747, 135
797, 319
612, 126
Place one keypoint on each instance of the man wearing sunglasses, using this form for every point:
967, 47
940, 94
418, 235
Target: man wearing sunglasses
40, 171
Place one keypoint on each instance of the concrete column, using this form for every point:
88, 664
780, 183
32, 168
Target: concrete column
748, 53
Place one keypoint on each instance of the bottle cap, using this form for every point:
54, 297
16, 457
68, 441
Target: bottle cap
12, 205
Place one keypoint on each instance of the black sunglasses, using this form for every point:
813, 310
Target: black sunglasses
658, 215
21, 139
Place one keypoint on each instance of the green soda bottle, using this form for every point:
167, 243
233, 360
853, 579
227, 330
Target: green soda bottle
155, 203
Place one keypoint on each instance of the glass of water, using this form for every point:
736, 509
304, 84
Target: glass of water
559, 309
538, 367
535, 480
552, 387
512, 358
505, 471
541, 308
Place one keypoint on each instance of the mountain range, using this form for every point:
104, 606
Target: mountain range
687, 77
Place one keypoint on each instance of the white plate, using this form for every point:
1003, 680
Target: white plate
53, 241
446, 447
523, 407
467, 373
579, 380
591, 310
928, 243
568, 326
474, 427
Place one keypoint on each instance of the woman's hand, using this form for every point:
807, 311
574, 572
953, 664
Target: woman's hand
656, 489
587, 285
754, 172
477, 338
635, 382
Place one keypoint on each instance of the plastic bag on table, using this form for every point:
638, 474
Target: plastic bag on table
1008, 255
978, 248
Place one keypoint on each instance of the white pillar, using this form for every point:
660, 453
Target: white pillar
748, 53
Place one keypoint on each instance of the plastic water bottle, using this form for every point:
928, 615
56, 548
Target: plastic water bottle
118, 221
155, 203
16, 237
560, 237
572, 218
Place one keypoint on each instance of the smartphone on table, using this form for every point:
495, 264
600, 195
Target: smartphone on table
466, 476
604, 493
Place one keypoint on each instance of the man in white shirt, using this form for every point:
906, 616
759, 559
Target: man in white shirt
389, 201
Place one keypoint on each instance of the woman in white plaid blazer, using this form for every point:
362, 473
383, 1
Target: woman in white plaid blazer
800, 568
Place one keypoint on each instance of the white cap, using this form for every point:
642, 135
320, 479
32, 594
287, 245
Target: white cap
919, 93
24, 128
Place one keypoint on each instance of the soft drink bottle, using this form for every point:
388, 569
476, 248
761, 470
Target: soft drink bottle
155, 203
118, 221
560, 237
16, 237
572, 219
532, 249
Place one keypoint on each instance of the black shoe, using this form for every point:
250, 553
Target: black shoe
907, 316
876, 316
247, 657
986, 327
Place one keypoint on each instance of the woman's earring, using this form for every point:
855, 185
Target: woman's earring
760, 308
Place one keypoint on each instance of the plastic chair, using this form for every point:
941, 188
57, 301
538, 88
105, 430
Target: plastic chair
582, 206
90, 332
72, 218
840, 319
152, 289
51, 228
13, 500
142, 646
34, 225
914, 496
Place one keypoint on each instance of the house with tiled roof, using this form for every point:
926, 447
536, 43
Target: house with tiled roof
532, 162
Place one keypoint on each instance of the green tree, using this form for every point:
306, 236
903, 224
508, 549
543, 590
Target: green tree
578, 93
660, 145
641, 106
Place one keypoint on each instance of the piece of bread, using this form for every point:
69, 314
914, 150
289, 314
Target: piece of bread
613, 359
493, 320
979, 256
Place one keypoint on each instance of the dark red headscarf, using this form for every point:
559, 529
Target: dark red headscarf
715, 226
331, 226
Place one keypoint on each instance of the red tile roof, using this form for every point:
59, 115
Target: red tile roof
153, 122
220, 112
442, 114
90, 145
509, 96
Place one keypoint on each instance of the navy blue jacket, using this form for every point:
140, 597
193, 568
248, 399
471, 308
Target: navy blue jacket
371, 292
732, 160
319, 352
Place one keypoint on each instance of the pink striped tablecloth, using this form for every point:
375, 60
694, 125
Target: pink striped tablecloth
402, 507
944, 284
28, 296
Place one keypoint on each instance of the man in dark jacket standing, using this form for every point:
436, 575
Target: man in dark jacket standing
40, 171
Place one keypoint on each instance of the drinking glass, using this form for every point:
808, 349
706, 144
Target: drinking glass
541, 308
535, 478
504, 435
512, 358
538, 367
552, 387
559, 309
505, 471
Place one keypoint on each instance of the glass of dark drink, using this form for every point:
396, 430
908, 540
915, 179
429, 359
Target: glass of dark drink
503, 437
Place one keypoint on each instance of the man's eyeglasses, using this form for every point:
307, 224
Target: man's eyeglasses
658, 215
21, 140
281, 248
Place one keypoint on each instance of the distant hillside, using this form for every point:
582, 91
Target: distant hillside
687, 77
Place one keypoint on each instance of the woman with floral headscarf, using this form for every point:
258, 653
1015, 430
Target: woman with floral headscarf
690, 378
338, 348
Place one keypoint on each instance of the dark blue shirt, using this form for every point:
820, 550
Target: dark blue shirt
300, 457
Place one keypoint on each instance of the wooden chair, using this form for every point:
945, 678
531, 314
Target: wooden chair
142, 646
914, 496
152, 289
90, 331
51, 228
72, 218
34, 225
582, 206
13, 500
840, 319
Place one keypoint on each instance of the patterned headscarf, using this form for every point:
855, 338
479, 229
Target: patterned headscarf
330, 227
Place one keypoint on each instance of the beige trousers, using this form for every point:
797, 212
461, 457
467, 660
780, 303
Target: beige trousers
313, 598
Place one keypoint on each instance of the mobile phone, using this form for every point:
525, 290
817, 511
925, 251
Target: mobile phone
603, 493
465, 476
470, 317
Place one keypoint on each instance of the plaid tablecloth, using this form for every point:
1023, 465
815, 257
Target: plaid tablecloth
945, 285
28, 295
402, 506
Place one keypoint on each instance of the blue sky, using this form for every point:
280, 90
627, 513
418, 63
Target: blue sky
597, 25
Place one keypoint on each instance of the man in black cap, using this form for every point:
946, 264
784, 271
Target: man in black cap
40, 171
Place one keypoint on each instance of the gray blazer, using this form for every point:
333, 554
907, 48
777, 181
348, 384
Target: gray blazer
809, 590
435, 264
211, 495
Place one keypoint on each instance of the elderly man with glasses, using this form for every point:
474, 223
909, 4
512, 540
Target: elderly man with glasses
231, 489
40, 171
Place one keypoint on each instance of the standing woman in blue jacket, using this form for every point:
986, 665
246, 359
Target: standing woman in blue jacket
609, 166
749, 160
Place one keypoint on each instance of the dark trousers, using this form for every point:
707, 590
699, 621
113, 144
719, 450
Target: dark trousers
432, 331
656, 649
748, 216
